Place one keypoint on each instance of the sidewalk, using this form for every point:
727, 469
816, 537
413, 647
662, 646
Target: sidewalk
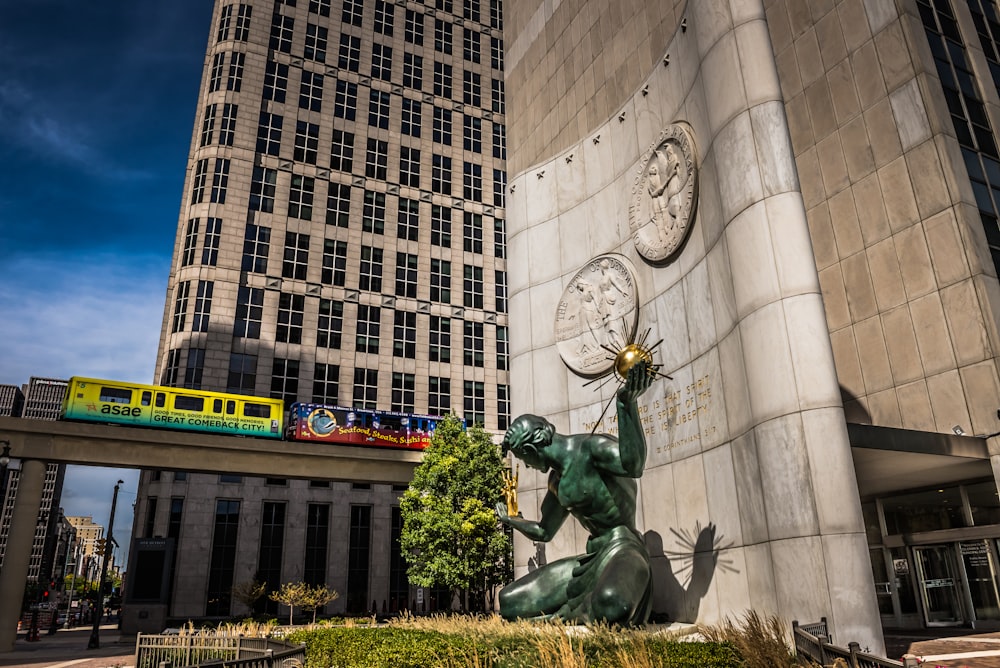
68, 647
946, 647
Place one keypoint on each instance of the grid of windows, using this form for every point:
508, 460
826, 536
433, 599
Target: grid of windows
370, 273
498, 101
402, 392
440, 226
473, 344
502, 349
225, 22
171, 368
441, 132
376, 159
470, 10
235, 79
381, 62
353, 12
300, 197
496, 14
472, 134
366, 388
496, 53
406, 275
198, 182
190, 242
242, 373
306, 142
470, 46
409, 120
472, 287
499, 141
472, 181
275, 81
222, 561
442, 36
359, 553
499, 238
249, 312
345, 104
440, 339
409, 167
311, 91
290, 314
441, 174
503, 407
215, 78
472, 89
500, 287
256, 245
180, 306
285, 379
338, 204
295, 262
385, 15
413, 30
350, 53
442, 79
227, 125
408, 221
281, 33
472, 232
373, 212
326, 383
243, 23
220, 181
262, 187
330, 324
194, 371
213, 237
499, 187
316, 39
342, 151
378, 109
413, 71
475, 402
439, 396
404, 334
208, 124
321, 7
440, 281
202, 306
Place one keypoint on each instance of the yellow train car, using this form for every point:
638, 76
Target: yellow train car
95, 400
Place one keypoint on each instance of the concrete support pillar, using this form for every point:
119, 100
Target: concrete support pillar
14, 574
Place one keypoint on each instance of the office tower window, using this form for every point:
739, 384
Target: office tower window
235, 80
256, 245
470, 46
413, 31
409, 167
208, 124
350, 53
497, 95
338, 204
441, 174
503, 407
342, 151
496, 14
381, 62
227, 126
290, 313
376, 159
353, 12
272, 538
202, 306
473, 344
334, 270
262, 187
300, 197
502, 349
195, 369
409, 123
345, 104
315, 47
285, 380
225, 21
442, 79
295, 262
249, 312
440, 281
175, 518
190, 242
330, 325
404, 335
385, 15
378, 109
369, 326
243, 23
472, 232
320, 7
475, 402
500, 284
442, 36
373, 212
326, 383
472, 134
408, 221
402, 392
306, 142
220, 181
499, 238
439, 396
496, 53
171, 368
370, 271
359, 558
444, 6
242, 377
275, 81
365, 388
228, 477
281, 33
470, 10
198, 182
472, 288
406, 275
213, 236
472, 181
440, 226
499, 141
311, 91
317, 538
441, 132
499, 187
180, 306
222, 561
472, 89
413, 71
440, 339
269, 133
215, 78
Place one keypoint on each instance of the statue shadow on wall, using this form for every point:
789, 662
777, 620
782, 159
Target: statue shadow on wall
681, 576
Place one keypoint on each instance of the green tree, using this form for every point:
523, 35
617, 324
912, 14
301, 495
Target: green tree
451, 535
291, 594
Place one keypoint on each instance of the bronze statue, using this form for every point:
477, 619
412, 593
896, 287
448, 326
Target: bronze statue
593, 477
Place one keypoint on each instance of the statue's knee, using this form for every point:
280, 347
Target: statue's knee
611, 606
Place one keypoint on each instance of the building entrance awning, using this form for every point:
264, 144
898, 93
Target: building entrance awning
888, 460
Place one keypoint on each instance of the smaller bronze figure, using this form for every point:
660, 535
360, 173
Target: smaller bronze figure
592, 477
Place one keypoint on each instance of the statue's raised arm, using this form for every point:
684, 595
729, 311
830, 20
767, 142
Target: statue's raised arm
631, 440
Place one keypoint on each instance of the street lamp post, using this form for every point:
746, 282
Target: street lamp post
95, 632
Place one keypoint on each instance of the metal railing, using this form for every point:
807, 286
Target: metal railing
168, 651
814, 641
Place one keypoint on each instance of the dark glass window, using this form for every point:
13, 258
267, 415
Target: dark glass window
222, 560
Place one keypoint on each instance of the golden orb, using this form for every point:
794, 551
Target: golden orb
629, 356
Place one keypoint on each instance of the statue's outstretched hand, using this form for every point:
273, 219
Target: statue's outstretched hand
502, 513
636, 382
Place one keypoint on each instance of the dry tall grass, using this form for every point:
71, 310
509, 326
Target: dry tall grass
763, 642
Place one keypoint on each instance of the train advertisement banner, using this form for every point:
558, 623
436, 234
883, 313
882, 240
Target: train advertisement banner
331, 424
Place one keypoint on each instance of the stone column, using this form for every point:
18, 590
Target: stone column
14, 574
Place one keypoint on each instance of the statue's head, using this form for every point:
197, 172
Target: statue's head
526, 437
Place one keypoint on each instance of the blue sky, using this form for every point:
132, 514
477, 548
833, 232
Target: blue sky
97, 105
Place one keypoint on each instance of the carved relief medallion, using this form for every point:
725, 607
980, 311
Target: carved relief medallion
665, 195
599, 307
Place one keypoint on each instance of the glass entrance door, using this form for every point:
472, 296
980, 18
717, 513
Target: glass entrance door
939, 585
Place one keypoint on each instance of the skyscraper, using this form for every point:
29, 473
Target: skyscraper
341, 240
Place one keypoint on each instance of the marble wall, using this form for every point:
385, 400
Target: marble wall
749, 500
